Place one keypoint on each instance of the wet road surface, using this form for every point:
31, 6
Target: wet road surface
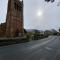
45, 49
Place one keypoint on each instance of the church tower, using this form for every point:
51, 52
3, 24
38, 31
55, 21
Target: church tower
14, 19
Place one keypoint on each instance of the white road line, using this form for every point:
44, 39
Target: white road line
48, 48
43, 43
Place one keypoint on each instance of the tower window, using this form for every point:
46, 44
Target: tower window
17, 7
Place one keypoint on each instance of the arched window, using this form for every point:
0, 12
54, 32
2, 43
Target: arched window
17, 33
18, 7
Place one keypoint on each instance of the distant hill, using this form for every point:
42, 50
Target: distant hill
33, 30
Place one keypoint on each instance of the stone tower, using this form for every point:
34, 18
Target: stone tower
14, 19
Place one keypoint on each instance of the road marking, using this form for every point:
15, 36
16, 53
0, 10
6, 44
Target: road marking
42, 59
48, 48
43, 43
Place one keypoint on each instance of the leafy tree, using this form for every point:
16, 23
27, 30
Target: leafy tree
58, 4
49, 0
25, 31
59, 30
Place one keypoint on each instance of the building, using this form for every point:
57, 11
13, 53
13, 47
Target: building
2, 29
14, 19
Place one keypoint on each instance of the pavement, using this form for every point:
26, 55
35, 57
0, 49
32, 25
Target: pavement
44, 49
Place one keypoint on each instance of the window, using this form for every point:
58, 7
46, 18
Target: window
17, 7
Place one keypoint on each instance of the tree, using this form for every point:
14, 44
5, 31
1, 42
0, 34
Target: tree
49, 0
59, 30
25, 31
58, 4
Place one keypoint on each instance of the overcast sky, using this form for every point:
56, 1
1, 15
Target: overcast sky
49, 19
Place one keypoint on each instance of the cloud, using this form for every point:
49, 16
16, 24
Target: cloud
50, 18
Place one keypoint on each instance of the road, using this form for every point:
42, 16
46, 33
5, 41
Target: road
45, 49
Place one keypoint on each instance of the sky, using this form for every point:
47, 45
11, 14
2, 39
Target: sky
38, 14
